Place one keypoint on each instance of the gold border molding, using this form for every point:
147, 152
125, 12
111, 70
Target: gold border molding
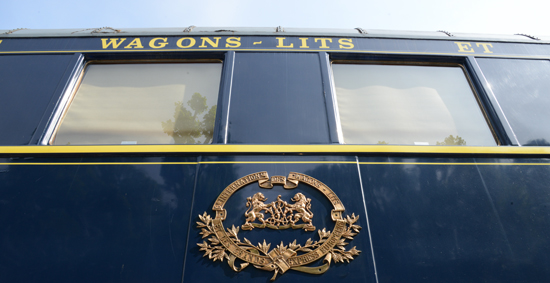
226, 244
247, 148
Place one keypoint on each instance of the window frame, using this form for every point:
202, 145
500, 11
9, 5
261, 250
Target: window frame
75, 81
360, 59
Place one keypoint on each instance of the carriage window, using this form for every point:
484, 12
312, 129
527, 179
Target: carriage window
168, 103
408, 104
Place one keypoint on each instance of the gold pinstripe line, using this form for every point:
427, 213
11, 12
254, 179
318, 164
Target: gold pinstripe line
102, 163
450, 163
278, 162
270, 149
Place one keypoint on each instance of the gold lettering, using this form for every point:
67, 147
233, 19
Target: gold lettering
212, 43
160, 44
233, 42
0, 41
112, 41
278, 179
304, 42
192, 42
345, 43
485, 47
323, 42
281, 44
464, 47
136, 43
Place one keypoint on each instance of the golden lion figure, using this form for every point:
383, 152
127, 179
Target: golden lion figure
281, 214
255, 206
302, 206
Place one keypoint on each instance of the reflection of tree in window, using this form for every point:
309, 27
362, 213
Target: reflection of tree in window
451, 140
537, 142
187, 127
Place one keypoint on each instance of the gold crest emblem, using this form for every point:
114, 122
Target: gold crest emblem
279, 214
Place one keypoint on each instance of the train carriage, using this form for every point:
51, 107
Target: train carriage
258, 154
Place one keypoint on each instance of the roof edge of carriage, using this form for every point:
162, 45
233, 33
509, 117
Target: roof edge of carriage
271, 31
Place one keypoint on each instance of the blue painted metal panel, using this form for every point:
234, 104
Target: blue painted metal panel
128, 44
132, 219
29, 86
522, 89
450, 222
277, 98
94, 223
342, 178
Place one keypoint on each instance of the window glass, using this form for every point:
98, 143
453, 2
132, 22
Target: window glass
522, 88
406, 104
170, 103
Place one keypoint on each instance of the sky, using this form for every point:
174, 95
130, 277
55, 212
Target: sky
458, 16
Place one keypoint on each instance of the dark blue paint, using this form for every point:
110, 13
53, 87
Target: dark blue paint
522, 89
458, 223
28, 87
94, 223
136, 222
449, 222
278, 98
521, 200
220, 127
501, 129
341, 178
326, 72
360, 43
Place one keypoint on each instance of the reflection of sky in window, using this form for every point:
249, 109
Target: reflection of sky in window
407, 104
127, 102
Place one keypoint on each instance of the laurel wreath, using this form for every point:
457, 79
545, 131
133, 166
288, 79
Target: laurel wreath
214, 250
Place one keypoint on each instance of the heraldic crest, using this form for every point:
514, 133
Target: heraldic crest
224, 243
